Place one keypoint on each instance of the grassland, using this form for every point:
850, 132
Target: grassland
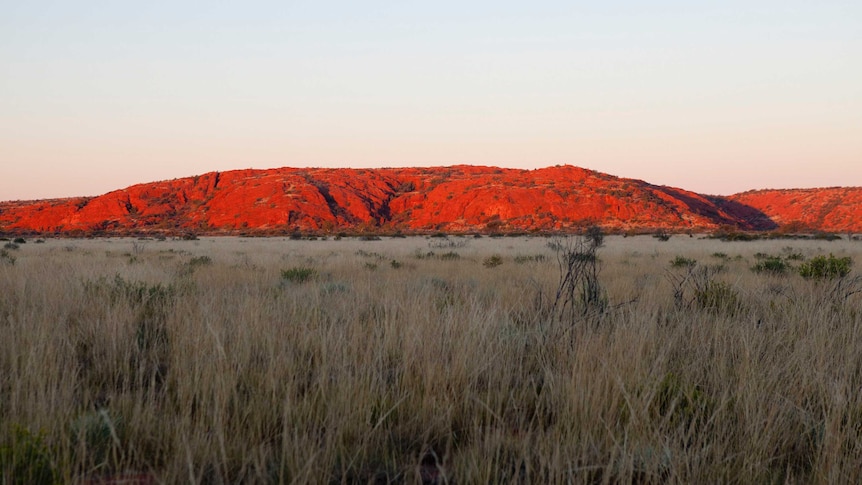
426, 360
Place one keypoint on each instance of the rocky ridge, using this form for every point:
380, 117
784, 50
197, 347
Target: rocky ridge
456, 199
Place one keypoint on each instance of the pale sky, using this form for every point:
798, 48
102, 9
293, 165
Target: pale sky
715, 97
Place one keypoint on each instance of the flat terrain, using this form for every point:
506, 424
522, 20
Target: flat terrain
429, 360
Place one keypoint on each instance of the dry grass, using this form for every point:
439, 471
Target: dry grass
152, 360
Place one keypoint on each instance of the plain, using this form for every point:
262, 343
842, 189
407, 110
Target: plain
428, 360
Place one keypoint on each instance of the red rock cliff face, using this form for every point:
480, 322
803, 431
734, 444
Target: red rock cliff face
454, 199
834, 209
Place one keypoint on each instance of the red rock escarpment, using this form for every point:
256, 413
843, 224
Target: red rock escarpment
833, 209
453, 199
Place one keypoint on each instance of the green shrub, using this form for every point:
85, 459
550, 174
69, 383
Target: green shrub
826, 267
493, 261
716, 296
395, 264
521, 259
681, 262
450, 256
193, 264
26, 459
200, 261
10, 245
20, 240
6, 258
719, 255
298, 274
773, 265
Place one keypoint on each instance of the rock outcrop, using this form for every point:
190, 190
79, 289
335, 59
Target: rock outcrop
451, 199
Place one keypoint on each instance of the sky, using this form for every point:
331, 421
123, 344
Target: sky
715, 97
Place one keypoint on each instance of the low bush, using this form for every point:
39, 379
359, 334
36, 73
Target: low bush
717, 297
298, 274
370, 254
26, 459
200, 261
195, 263
492, 261
662, 235
772, 265
446, 243
826, 267
536, 258
681, 262
6, 258
825, 236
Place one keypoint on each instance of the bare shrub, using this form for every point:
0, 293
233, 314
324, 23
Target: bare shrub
579, 291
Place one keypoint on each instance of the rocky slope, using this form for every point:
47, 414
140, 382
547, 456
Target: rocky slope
833, 209
451, 199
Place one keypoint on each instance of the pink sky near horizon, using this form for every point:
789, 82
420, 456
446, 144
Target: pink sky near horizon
716, 98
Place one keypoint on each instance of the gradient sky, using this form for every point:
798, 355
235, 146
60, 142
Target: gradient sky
715, 97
